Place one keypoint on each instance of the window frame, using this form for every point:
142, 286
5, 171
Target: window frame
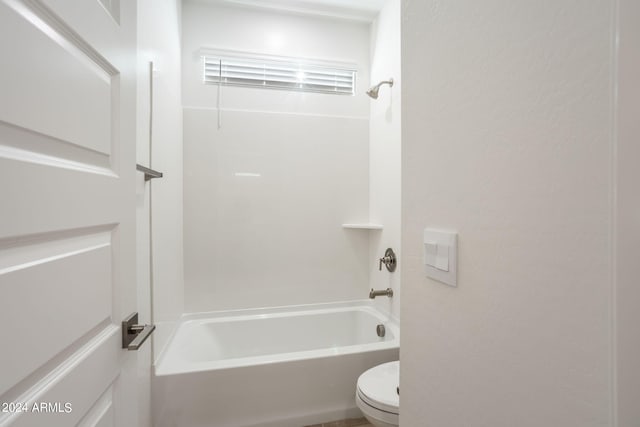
322, 69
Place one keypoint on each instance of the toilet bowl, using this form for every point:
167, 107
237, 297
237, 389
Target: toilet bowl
377, 394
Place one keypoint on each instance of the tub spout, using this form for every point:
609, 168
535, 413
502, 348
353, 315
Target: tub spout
388, 292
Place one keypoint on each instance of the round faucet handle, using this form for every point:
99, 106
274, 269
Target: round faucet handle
389, 260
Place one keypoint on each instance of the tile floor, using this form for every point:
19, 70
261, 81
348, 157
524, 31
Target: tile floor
352, 422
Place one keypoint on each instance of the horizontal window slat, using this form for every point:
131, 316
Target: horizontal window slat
268, 76
261, 77
259, 82
250, 72
292, 68
269, 82
261, 71
343, 81
251, 76
330, 73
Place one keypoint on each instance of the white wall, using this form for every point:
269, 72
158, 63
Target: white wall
507, 139
159, 41
627, 218
274, 239
384, 153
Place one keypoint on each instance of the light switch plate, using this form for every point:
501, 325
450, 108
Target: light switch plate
441, 255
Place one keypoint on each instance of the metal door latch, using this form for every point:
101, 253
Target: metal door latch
133, 335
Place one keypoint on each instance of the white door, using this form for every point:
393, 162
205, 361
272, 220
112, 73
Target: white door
67, 212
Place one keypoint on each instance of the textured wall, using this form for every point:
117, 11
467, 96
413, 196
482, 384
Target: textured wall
627, 210
507, 139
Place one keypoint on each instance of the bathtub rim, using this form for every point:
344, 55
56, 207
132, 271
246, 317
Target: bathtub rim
159, 368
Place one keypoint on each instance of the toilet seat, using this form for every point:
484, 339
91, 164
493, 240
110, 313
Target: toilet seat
390, 409
377, 394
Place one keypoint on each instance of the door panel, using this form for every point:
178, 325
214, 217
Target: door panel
101, 414
67, 216
54, 83
52, 270
80, 380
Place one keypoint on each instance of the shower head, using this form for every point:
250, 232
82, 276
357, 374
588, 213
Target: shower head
373, 91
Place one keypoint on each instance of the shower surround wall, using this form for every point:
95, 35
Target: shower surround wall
159, 42
266, 193
384, 153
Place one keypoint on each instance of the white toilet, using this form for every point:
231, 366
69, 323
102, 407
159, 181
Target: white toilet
377, 394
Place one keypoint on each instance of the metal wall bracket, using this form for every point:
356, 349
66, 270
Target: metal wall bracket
133, 335
148, 173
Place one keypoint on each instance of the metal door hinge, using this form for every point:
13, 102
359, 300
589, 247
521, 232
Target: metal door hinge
133, 335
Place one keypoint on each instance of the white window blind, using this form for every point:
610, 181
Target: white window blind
278, 74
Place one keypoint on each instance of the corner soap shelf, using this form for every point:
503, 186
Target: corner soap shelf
363, 226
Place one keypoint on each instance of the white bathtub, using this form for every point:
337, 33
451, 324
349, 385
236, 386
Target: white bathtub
284, 367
